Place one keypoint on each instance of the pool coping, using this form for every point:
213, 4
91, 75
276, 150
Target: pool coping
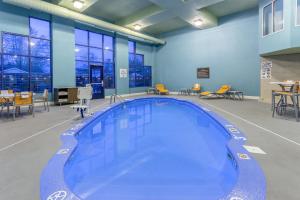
250, 185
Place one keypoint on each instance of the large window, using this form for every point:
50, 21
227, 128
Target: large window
40, 55
139, 75
26, 60
93, 48
298, 13
273, 17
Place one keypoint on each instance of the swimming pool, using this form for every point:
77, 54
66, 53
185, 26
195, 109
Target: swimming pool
153, 149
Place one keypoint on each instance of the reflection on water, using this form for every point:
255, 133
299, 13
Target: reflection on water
151, 149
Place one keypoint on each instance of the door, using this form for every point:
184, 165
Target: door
96, 78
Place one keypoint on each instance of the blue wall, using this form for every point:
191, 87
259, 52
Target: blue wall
63, 42
230, 50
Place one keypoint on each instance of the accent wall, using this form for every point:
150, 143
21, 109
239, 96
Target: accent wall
231, 51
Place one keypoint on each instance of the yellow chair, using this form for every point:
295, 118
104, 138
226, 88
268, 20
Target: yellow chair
23, 99
161, 89
221, 92
196, 88
6, 102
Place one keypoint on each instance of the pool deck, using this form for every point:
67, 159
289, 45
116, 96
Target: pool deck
28, 143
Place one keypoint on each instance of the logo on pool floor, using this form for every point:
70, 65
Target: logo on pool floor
70, 133
63, 151
236, 198
239, 138
243, 156
205, 109
59, 195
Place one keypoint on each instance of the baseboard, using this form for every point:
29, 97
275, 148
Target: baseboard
51, 103
246, 97
252, 97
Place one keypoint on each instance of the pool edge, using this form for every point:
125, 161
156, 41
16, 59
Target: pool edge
251, 183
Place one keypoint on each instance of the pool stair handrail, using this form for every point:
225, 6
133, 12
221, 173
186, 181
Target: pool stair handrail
115, 97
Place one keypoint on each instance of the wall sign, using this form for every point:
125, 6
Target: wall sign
203, 72
266, 70
123, 73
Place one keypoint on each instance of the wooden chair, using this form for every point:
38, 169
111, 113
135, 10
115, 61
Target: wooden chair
23, 99
6, 102
43, 99
196, 88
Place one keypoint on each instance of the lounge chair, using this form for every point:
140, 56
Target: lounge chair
221, 92
161, 89
196, 88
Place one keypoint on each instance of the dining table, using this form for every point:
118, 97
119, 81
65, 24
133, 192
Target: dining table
286, 86
7, 95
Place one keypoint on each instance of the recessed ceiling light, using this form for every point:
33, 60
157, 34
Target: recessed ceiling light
78, 4
32, 44
77, 50
137, 27
198, 22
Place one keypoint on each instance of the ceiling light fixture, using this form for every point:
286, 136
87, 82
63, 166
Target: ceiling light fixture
78, 4
198, 22
137, 27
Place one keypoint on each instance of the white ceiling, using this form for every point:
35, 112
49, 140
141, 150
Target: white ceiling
159, 16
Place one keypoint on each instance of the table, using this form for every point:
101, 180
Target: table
236, 95
6, 96
184, 91
285, 85
151, 90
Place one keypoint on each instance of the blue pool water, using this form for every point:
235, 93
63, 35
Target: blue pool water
152, 149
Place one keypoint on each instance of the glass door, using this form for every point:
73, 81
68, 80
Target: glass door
96, 79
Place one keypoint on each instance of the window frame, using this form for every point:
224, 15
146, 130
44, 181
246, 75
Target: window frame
42, 57
134, 47
103, 63
273, 16
297, 14
135, 67
272, 3
28, 56
263, 19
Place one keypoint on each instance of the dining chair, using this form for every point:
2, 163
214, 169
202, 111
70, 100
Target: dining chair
6, 101
43, 99
23, 99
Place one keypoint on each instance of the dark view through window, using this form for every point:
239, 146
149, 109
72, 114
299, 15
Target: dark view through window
94, 49
26, 60
139, 75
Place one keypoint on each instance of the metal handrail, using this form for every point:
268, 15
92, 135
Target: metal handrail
115, 97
